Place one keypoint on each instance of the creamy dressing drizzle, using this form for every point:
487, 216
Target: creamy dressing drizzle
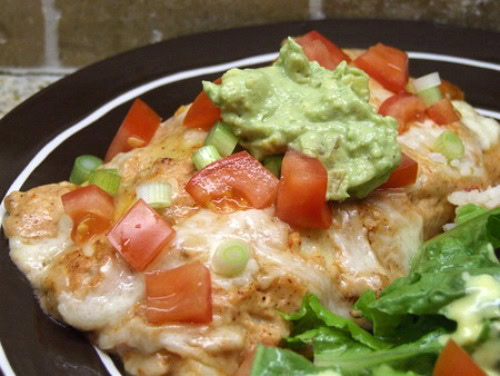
481, 302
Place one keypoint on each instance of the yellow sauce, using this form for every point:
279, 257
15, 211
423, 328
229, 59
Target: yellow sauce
481, 302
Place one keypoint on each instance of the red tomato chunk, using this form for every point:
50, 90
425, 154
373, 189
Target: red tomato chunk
387, 65
136, 130
318, 48
302, 192
442, 112
183, 294
140, 235
91, 210
239, 176
403, 107
405, 174
454, 361
203, 113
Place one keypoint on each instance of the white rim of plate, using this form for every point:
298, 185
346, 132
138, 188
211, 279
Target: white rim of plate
168, 79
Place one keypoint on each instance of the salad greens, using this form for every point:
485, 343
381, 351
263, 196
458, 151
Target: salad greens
467, 212
411, 320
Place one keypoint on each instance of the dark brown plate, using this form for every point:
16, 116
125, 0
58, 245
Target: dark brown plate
36, 151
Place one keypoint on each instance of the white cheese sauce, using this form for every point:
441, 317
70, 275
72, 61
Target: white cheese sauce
34, 257
118, 291
486, 130
201, 234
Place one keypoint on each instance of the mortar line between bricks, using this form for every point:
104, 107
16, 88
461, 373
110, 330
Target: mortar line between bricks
51, 18
316, 11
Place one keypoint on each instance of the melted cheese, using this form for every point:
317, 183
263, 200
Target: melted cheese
176, 338
201, 234
360, 260
406, 237
421, 136
197, 238
486, 130
116, 294
34, 257
141, 364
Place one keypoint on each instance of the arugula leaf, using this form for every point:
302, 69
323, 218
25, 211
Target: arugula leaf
493, 229
385, 370
435, 279
340, 355
313, 315
418, 356
272, 361
467, 212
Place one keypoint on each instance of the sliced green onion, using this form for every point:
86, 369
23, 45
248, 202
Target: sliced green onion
83, 166
430, 95
273, 164
409, 88
450, 145
231, 258
427, 88
223, 138
112, 170
107, 180
467, 212
204, 156
155, 194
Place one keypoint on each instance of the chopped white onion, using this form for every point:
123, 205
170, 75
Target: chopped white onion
427, 81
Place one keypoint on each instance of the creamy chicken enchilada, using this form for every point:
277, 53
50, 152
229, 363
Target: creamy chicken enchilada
356, 245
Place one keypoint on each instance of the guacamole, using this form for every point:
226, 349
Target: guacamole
322, 113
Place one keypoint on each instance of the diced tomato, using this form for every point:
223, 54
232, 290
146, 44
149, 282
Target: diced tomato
91, 210
136, 130
403, 107
405, 174
237, 177
140, 235
451, 91
454, 361
182, 294
387, 65
318, 48
203, 113
302, 192
442, 112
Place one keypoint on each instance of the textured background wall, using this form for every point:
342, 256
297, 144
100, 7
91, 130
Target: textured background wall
74, 33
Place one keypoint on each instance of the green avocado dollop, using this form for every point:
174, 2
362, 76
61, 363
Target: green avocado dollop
322, 113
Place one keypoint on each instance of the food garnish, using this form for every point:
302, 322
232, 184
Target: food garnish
83, 166
287, 205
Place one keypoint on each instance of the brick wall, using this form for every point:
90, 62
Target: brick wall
74, 33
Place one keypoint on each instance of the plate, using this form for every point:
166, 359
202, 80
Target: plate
80, 114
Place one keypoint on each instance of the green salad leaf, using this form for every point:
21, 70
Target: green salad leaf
410, 319
493, 230
467, 212
272, 361
312, 315
435, 280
